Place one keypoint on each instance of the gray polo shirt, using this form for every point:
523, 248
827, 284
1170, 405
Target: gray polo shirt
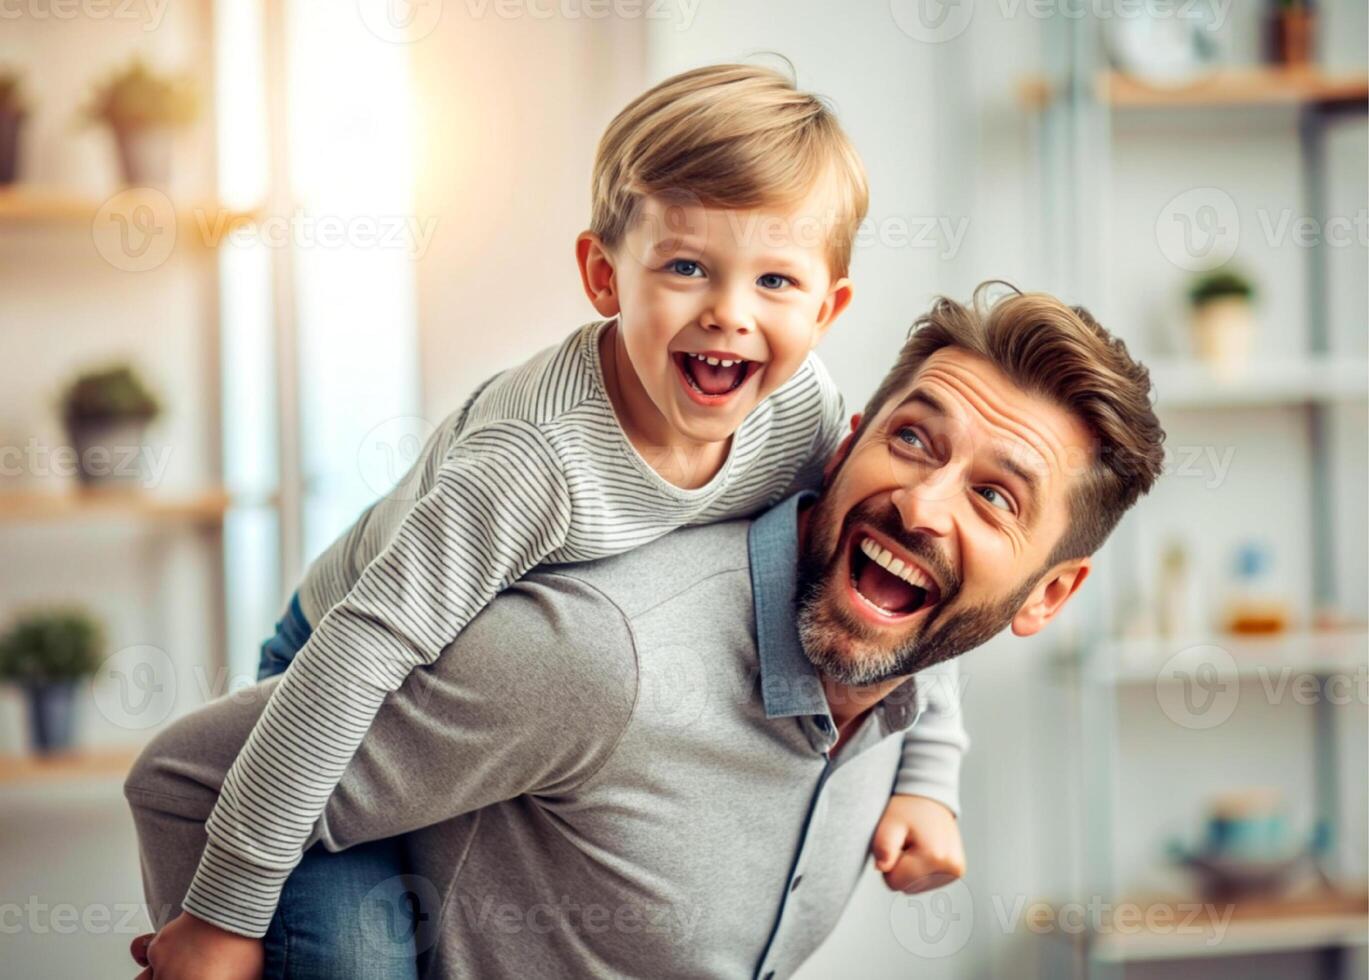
619, 768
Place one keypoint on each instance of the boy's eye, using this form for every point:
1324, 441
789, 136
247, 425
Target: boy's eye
773, 280
687, 268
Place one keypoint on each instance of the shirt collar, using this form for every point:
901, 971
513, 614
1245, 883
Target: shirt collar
790, 684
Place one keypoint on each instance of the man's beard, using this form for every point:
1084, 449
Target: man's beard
851, 652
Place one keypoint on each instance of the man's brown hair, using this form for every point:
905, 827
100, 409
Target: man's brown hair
1060, 353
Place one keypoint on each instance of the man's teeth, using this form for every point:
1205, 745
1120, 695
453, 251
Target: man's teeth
885, 559
715, 362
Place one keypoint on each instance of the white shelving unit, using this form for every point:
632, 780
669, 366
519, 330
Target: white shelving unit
54, 227
1075, 114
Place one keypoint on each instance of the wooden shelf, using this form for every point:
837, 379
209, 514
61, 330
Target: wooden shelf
21, 507
1192, 384
199, 223
1310, 922
85, 764
1227, 88
1126, 662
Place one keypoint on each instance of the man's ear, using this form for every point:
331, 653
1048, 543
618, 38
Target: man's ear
596, 273
1050, 595
841, 451
838, 298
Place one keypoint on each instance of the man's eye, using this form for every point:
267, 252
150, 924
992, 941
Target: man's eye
1002, 500
911, 437
773, 280
685, 267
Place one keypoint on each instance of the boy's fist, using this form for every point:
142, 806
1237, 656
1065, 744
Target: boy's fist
917, 845
188, 948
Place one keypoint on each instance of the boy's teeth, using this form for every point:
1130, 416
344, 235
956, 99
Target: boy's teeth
885, 559
716, 362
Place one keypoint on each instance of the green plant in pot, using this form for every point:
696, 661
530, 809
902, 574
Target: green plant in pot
13, 111
1223, 321
106, 413
144, 109
47, 654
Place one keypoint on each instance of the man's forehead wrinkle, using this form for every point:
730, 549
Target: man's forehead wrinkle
1032, 443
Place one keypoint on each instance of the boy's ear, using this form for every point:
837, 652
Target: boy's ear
596, 273
838, 298
1050, 595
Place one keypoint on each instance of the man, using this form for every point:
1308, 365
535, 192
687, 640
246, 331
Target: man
674, 762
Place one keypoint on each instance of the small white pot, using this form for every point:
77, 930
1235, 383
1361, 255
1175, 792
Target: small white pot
1222, 333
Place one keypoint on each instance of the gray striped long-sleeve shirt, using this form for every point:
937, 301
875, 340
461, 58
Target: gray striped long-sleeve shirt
533, 469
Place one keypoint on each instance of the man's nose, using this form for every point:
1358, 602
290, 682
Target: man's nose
929, 504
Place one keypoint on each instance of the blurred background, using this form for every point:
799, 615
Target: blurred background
251, 251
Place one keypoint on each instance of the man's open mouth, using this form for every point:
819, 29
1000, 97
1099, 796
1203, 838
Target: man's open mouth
713, 377
889, 585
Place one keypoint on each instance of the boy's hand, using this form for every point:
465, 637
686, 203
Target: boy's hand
188, 948
917, 845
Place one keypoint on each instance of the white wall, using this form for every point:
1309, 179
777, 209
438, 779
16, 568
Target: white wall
510, 112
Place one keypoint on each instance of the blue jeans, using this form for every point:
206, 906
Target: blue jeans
344, 914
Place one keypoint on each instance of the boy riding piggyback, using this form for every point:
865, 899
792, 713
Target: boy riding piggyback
725, 205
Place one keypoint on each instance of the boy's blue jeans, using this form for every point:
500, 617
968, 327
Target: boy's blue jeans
343, 914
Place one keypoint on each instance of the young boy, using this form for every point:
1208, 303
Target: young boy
725, 204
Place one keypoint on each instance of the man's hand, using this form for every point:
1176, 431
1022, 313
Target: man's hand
917, 845
188, 948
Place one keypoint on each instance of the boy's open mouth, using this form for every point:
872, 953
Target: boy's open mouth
892, 587
713, 378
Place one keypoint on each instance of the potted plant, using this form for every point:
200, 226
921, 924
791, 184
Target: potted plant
106, 413
47, 654
143, 110
12, 113
1223, 321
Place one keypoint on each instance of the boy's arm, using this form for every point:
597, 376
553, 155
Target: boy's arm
933, 747
917, 843
475, 728
499, 505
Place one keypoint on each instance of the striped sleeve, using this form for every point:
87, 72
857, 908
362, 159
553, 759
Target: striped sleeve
499, 504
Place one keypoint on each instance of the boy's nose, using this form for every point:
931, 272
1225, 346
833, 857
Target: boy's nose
729, 313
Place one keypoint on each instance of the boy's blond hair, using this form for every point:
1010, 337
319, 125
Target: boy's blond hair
729, 136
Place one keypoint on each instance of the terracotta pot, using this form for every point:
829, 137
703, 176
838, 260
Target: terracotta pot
144, 155
1222, 332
